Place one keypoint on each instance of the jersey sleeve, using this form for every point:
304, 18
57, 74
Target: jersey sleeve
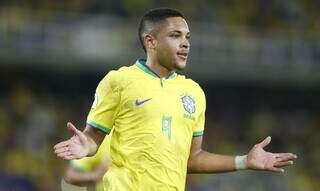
106, 103
200, 120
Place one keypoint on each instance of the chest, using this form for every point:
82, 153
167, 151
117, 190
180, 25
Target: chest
162, 116
152, 100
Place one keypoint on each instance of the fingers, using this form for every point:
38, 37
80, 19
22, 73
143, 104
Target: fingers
285, 156
65, 150
284, 159
67, 155
265, 142
61, 150
62, 147
70, 148
61, 144
275, 169
283, 164
64, 154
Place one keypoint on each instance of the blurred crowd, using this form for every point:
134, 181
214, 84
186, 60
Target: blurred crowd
34, 112
257, 13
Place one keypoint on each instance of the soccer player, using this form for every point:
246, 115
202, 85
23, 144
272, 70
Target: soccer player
157, 117
86, 174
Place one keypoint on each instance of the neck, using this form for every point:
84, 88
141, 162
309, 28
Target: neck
157, 68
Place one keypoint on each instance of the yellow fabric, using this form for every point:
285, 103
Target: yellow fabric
153, 121
88, 164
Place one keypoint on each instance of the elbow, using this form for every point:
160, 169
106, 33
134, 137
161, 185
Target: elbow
194, 162
189, 169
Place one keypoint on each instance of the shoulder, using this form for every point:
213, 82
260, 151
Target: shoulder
119, 73
115, 78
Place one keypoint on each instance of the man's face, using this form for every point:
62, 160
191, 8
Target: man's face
172, 47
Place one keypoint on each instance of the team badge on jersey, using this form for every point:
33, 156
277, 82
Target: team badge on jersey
188, 104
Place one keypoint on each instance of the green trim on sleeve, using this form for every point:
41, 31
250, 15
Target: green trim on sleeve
98, 126
197, 133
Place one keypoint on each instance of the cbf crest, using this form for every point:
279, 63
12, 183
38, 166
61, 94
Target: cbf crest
188, 104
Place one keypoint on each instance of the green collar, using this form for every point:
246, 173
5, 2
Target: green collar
141, 63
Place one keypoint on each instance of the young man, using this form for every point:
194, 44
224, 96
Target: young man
157, 118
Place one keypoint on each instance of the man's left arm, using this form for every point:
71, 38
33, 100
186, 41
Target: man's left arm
257, 158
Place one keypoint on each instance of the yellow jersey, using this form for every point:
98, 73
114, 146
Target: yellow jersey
153, 121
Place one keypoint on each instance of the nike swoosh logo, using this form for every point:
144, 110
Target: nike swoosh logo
141, 102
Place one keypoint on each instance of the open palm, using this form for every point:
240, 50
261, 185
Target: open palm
259, 159
74, 148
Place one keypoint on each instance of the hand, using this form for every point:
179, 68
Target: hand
74, 148
259, 159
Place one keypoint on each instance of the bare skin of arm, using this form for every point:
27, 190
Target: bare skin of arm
257, 158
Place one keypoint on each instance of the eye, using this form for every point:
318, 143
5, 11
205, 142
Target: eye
175, 35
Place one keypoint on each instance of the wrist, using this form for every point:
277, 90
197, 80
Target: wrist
241, 162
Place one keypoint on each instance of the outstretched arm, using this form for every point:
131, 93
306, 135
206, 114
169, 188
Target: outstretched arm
257, 159
81, 144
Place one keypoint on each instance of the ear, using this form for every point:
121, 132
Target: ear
149, 41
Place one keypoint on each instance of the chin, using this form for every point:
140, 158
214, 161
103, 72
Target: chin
180, 65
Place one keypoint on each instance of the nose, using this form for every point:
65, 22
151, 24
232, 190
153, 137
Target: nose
185, 43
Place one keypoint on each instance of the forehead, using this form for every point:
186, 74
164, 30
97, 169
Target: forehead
175, 23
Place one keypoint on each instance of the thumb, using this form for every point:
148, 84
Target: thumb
72, 128
265, 142
77, 132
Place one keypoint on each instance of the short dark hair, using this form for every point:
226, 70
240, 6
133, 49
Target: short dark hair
155, 16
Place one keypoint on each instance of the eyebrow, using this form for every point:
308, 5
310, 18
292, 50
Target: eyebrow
177, 31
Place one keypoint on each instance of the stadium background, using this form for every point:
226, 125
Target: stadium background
257, 60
